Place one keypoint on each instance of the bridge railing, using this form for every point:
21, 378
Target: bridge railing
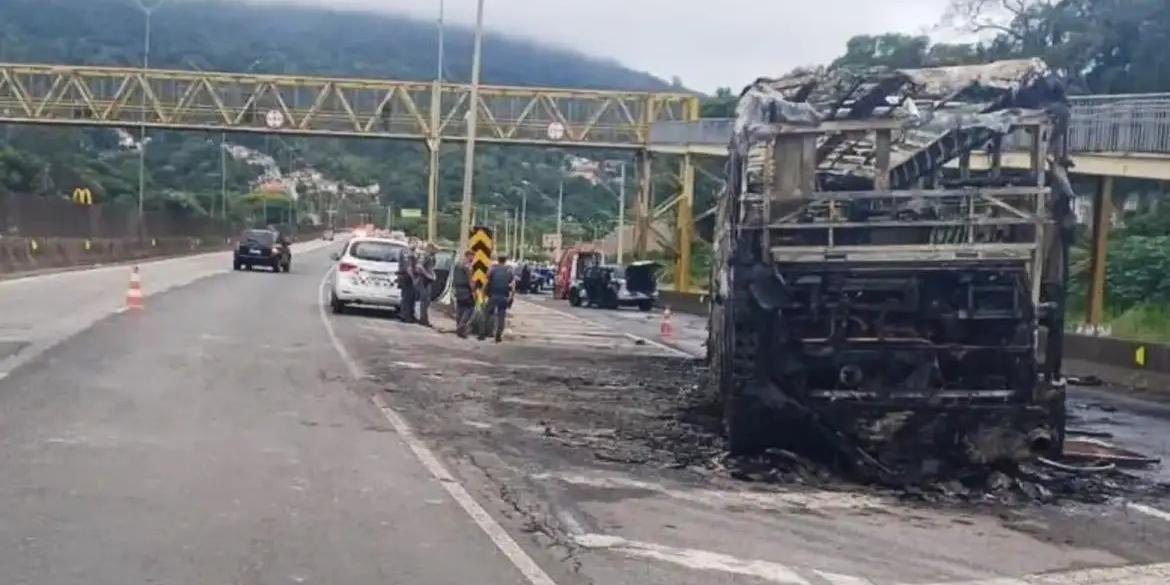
1138, 123
708, 131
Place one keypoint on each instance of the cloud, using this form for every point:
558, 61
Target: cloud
706, 43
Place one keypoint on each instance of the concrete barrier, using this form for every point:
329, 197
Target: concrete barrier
21, 255
1116, 354
683, 302
1119, 353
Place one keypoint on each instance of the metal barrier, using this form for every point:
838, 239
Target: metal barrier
708, 131
1120, 123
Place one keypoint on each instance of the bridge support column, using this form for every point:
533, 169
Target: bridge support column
642, 205
685, 228
434, 143
1102, 213
433, 191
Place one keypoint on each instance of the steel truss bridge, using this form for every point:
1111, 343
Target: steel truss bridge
430, 112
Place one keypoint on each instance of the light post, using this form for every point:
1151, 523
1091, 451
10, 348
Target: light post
472, 124
621, 195
148, 11
560, 212
433, 142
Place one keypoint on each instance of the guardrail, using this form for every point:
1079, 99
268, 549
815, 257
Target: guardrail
708, 131
1120, 123
1137, 123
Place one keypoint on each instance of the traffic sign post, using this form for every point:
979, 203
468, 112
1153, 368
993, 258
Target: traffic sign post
556, 131
274, 119
480, 244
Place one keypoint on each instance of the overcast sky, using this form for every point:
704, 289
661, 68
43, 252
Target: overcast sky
708, 43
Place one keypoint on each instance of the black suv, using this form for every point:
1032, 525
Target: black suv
263, 248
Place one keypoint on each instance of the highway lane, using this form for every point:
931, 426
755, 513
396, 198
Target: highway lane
214, 438
39, 312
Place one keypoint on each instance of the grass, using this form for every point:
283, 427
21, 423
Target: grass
1146, 322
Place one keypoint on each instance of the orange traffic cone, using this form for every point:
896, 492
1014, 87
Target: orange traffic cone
134, 294
666, 329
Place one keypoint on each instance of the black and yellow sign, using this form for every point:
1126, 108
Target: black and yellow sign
83, 196
480, 243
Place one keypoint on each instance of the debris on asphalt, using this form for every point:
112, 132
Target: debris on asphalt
1096, 450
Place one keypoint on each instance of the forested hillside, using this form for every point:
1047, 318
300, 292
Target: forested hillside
183, 168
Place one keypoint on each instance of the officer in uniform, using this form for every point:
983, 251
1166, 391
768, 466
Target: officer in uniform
501, 285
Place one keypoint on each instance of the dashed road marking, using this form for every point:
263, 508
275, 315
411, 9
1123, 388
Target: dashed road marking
701, 560
777, 501
836, 579
587, 328
1148, 511
499, 537
1158, 574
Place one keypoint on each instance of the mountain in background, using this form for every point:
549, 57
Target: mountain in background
267, 38
184, 167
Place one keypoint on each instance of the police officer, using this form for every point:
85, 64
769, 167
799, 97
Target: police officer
406, 271
501, 285
424, 279
464, 291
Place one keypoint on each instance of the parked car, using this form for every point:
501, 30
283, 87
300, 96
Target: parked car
367, 274
263, 248
611, 286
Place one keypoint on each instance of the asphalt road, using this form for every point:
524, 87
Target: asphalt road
234, 432
215, 437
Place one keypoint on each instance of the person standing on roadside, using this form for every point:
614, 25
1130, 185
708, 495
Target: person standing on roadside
406, 270
424, 277
464, 291
501, 285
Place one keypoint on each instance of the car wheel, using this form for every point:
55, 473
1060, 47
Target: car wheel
574, 298
337, 306
248, 267
645, 306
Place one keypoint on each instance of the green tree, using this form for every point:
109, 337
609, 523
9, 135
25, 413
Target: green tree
892, 50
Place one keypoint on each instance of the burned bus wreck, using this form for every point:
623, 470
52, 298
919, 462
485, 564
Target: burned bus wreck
875, 298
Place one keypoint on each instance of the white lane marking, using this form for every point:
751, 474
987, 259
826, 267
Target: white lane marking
666, 348
500, 537
1148, 511
1158, 574
835, 579
694, 559
777, 501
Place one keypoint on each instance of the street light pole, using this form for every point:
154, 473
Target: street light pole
148, 12
523, 221
621, 243
560, 212
434, 142
507, 233
472, 124
223, 174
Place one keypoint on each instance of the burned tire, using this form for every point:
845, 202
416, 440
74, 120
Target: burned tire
733, 347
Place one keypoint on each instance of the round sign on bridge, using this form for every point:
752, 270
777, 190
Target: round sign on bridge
556, 131
274, 119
